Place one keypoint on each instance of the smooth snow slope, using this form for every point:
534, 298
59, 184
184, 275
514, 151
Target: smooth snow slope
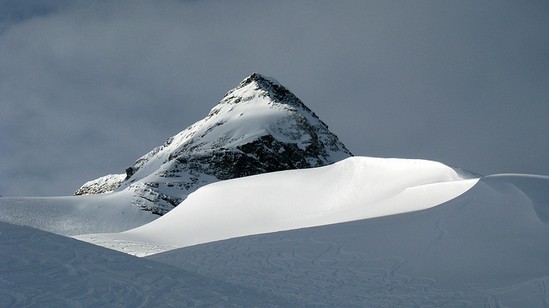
41, 269
352, 189
486, 248
75, 215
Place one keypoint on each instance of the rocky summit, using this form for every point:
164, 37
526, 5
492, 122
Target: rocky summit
258, 127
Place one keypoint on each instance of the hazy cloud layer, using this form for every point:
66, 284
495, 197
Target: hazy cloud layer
88, 87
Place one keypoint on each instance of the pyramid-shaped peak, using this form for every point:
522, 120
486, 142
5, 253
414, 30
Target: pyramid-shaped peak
258, 127
260, 85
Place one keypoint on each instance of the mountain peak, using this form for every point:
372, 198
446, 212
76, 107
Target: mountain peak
258, 78
257, 85
258, 127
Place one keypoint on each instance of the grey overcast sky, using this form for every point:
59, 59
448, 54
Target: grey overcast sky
87, 87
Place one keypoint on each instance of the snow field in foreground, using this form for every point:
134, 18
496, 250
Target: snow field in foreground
486, 248
41, 269
353, 189
72, 215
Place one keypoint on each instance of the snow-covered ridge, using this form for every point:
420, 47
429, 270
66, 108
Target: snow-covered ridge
257, 127
353, 189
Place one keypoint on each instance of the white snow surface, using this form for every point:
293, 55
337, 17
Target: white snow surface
485, 248
353, 189
72, 215
41, 269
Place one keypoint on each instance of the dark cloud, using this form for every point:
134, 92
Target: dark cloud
88, 87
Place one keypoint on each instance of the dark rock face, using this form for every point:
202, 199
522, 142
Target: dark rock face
260, 156
258, 127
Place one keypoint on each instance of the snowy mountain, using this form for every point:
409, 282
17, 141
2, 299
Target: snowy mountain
258, 127
273, 211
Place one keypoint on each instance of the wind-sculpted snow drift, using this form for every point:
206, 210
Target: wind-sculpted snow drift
488, 247
257, 127
352, 189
